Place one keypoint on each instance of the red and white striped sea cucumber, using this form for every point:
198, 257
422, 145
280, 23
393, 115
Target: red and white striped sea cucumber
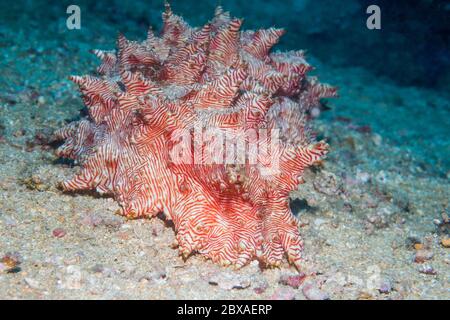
207, 126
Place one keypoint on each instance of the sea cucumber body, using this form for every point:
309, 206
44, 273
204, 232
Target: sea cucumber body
153, 100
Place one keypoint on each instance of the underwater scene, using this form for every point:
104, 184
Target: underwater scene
261, 150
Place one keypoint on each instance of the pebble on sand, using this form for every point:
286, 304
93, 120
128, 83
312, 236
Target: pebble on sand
311, 292
32, 283
426, 269
41, 100
294, 281
11, 261
423, 255
59, 233
385, 286
445, 242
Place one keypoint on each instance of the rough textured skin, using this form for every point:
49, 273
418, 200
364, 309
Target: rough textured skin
150, 98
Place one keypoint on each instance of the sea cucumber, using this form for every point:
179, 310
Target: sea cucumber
207, 126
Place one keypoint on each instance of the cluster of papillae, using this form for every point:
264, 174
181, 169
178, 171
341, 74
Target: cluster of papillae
188, 80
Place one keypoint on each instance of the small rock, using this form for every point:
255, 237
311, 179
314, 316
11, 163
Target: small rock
11, 261
426, 269
59, 233
377, 220
437, 222
377, 139
311, 292
294, 281
35, 183
423, 255
32, 283
412, 241
385, 286
445, 242
260, 289
41, 100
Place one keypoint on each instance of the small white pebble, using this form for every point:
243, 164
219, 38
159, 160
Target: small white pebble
32, 283
41, 100
377, 139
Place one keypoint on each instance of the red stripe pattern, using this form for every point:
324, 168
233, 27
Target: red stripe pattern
207, 126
